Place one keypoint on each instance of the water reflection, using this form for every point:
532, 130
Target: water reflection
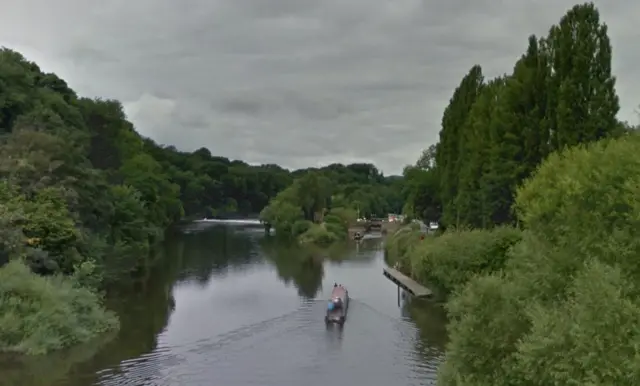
144, 307
48, 370
303, 268
431, 337
220, 303
217, 251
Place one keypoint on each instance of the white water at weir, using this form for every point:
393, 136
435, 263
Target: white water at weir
230, 221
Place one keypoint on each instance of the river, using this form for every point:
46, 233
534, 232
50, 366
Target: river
226, 305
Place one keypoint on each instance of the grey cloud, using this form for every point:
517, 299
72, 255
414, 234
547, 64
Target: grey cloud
295, 82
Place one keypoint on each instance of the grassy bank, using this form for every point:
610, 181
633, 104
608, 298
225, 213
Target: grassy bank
556, 303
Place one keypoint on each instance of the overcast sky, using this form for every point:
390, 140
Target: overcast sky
294, 82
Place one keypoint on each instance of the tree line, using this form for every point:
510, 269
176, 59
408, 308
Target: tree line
85, 198
495, 133
536, 181
321, 204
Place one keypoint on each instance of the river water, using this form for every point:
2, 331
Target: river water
226, 305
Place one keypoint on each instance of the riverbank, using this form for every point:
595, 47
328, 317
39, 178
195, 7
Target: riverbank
446, 262
538, 304
41, 314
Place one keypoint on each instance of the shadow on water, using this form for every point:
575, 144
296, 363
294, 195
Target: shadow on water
214, 310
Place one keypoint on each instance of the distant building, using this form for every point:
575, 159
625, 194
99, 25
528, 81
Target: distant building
392, 217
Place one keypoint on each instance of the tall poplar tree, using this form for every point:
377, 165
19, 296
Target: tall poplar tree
518, 133
583, 102
449, 153
476, 147
561, 93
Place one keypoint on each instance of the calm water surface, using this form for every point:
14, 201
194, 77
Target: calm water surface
228, 306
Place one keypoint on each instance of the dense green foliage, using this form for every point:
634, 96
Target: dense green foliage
554, 302
83, 184
39, 314
565, 310
83, 195
320, 205
449, 261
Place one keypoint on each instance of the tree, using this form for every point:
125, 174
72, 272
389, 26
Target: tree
421, 192
427, 159
583, 103
449, 153
518, 133
478, 143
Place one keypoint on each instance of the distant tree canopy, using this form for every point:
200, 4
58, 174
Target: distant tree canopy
80, 183
495, 133
333, 196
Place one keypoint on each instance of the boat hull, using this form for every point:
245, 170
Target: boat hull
339, 316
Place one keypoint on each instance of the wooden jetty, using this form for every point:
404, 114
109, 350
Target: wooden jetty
406, 283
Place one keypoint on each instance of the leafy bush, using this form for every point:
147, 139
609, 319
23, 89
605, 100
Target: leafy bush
346, 216
452, 259
51, 225
281, 214
486, 304
40, 314
338, 230
455, 257
398, 245
591, 338
87, 275
333, 219
300, 227
566, 309
587, 200
318, 234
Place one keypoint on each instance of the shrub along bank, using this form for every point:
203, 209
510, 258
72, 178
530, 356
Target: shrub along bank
39, 314
557, 303
451, 259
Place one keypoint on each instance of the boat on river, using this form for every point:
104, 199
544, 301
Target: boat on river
338, 305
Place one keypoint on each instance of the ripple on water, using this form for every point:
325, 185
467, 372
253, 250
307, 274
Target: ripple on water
292, 349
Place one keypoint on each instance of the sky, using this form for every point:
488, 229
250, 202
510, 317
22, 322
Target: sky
294, 82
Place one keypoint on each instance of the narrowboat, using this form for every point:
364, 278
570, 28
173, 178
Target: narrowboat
338, 305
